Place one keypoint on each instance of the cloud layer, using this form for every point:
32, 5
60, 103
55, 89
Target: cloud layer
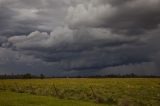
80, 37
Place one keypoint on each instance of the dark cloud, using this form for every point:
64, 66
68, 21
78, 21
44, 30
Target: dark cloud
88, 37
146, 68
22, 17
10, 25
6, 19
83, 49
2, 40
124, 16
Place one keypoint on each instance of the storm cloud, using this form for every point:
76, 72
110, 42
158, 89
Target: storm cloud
79, 37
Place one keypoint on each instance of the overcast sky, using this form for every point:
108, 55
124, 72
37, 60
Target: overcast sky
80, 37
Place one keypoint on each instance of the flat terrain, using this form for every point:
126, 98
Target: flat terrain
81, 92
16, 99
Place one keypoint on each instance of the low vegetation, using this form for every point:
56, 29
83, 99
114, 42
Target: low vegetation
16, 99
110, 91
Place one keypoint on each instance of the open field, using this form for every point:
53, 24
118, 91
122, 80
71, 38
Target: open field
16, 99
85, 92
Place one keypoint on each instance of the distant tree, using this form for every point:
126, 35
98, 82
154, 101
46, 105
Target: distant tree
42, 76
27, 76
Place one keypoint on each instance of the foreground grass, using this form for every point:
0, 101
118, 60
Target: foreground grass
109, 91
8, 98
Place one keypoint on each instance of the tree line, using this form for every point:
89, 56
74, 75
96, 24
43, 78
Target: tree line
42, 76
22, 76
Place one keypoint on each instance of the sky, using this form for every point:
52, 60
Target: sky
80, 37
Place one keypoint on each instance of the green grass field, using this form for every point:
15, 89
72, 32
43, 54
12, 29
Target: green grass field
81, 92
16, 99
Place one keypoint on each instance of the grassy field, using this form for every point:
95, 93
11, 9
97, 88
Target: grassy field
84, 92
8, 98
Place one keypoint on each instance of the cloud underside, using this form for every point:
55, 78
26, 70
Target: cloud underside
84, 37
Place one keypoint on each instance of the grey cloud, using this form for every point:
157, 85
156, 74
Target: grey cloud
80, 49
146, 68
87, 37
10, 25
15, 62
131, 17
22, 17
6, 19
10, 56
3, 39
66, 39
88, 48
153, 45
